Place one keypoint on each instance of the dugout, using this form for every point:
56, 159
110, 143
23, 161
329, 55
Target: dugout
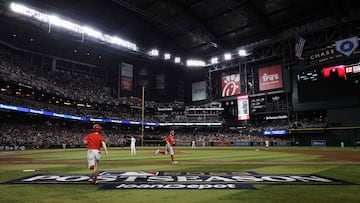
333, 136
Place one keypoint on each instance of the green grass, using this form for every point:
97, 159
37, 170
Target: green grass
73, 161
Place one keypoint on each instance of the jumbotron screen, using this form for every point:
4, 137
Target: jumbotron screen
329, 83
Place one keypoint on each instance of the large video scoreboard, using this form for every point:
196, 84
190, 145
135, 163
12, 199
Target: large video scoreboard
337, 85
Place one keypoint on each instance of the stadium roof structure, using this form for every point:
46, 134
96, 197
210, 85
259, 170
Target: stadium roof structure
185, 28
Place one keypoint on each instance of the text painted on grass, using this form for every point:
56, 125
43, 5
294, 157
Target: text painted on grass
180, 180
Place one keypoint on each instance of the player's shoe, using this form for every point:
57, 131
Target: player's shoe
157, 152
95, 181
174, 162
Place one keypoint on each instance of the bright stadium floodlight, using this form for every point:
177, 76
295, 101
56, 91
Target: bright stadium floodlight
93, 33
192, 62
227, 56
154, 52
242, 52
21, 9
57, 21
18, 8
177, 60
54, 20
167, 56
120, 42
214, 60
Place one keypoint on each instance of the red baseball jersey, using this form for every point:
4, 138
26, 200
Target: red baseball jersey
170, 140
94, 140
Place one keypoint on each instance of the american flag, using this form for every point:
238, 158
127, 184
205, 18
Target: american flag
299, 46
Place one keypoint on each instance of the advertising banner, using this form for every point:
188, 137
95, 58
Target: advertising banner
334, 71
347, 46
281, 143
243, 107
199, 91
230, 85
127, 70
270, 78
274, 132
241, 143
126, 84
222, 143
318, 143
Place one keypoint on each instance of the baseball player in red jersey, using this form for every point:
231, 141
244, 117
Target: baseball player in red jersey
94, 141
170, 142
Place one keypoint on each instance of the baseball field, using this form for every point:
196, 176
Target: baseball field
204, 174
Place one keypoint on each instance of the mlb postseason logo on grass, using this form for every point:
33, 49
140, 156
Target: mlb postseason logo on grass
180, 180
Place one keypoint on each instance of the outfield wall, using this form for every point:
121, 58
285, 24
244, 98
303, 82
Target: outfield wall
332, 136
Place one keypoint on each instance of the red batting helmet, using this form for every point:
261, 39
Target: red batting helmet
97, 127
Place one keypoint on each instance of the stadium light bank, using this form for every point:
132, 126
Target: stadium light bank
85, 30
53, 20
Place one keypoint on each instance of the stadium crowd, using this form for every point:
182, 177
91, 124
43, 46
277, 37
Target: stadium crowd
16, 69
48, 134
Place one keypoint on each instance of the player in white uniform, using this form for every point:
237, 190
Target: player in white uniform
193, 142
267, 143
132, 146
